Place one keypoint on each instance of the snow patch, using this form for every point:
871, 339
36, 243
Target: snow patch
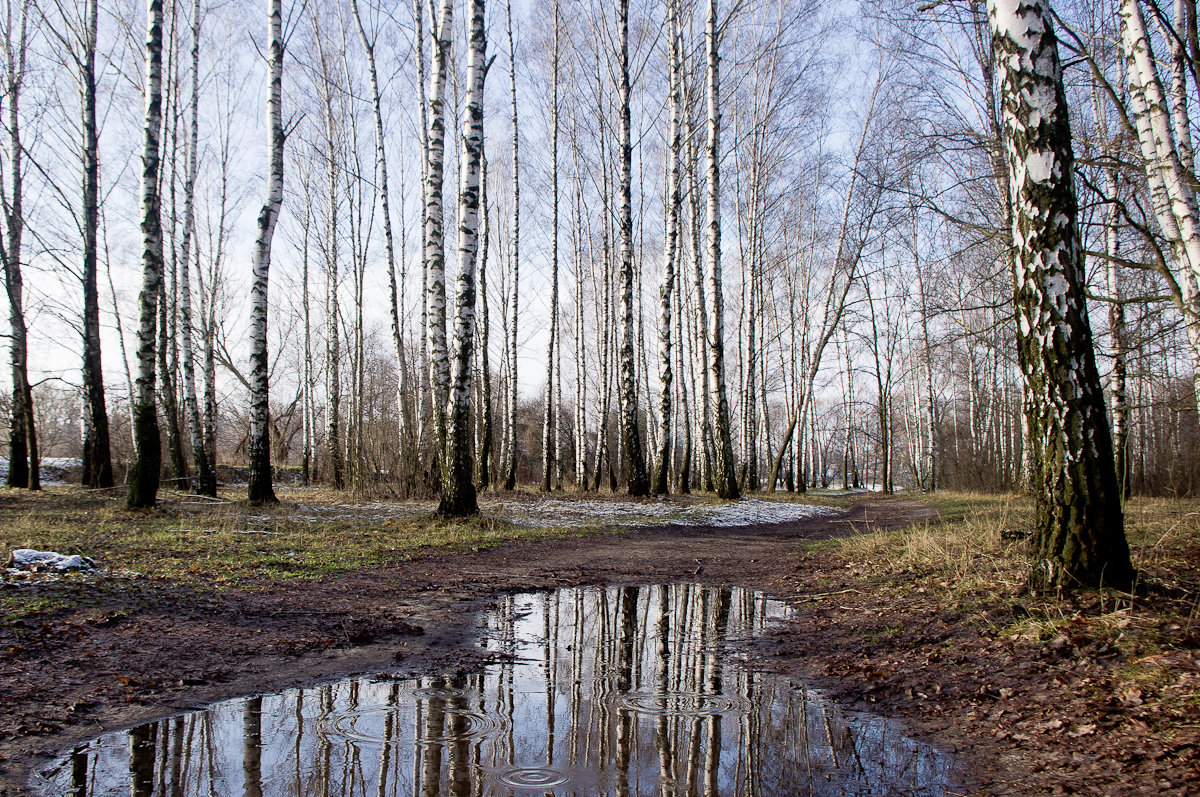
53, 469
558, 513
27, 559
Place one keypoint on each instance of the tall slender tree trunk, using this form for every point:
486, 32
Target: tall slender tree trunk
167, 388
638, 483
381, 171
97, 457
458, 491
206, 482
23, 469
725, 473
261, 490
510, 421
435, 247
308, 407
486, 477
577, 234
1120, 347
1079, 537
700, 342
662, 461
422, 391
550, 432
143, 484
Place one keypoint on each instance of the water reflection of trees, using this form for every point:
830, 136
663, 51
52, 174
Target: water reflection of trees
619, 691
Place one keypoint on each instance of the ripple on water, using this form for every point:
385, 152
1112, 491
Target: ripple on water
532, 777
461, 724
681, 704
438, 692
366, 723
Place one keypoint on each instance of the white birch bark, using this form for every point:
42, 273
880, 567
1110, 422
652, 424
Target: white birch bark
458, 491
550, 432
435, 247
330, 120
381, 172
510, 420
1079, 534
423, 125
261, 490
23, 467
660, 482
206, 483
143, 485
724, 476
1172, 194
638, 483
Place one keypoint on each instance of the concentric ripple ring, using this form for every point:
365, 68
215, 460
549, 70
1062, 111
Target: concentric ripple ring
533, 777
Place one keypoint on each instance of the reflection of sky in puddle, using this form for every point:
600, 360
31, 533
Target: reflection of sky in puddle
617, 691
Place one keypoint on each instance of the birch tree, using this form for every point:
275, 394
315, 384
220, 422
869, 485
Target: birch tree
725, 472
261, 490
550, 431
23, 470
206, 481
510, 415
484, 447
458, 489
674, 210
143, 483
435, 247
1079, 537
97, 456
637, 481
381, 172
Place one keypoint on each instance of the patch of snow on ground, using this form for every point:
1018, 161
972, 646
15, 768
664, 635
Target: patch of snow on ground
574, 514
47, 561
52, 469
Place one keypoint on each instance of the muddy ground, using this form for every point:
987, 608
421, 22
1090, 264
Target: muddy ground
1026, 718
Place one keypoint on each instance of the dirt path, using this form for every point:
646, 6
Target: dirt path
110, 666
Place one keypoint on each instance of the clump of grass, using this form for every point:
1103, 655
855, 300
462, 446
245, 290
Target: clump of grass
974, 546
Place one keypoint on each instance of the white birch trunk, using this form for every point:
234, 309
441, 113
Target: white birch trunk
261, 490
1079, 534
143, 485
638, 482
510, 421
660, 481
550, 433
458, 491
381, 171
435, 246
724, 476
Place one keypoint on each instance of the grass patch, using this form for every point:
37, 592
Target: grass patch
222, 545
976, 558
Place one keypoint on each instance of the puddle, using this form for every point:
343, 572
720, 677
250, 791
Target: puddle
597, 691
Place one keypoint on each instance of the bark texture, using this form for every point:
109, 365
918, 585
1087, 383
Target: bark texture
458, 490
724, 470
638, 483
143, 482
1079, 537
435, 247
97, 456
206, 480
261, 489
